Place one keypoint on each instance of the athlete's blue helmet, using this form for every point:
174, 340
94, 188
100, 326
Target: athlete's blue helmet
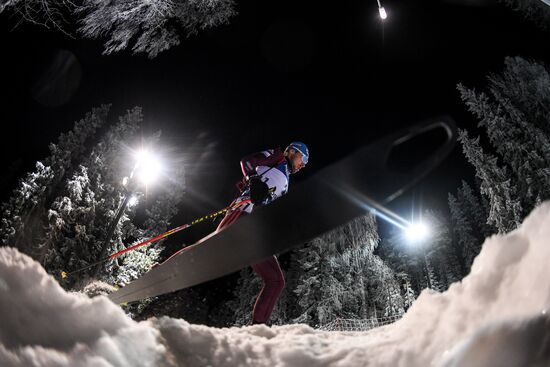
302, 148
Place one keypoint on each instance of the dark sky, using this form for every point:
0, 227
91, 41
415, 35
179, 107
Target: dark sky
327, 73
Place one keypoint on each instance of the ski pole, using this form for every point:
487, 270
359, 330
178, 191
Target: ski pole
160, 236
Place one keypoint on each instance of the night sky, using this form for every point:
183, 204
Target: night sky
330, 74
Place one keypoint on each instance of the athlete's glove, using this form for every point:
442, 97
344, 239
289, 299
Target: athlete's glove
259, 191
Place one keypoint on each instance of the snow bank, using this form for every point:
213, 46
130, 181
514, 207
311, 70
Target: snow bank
497, 316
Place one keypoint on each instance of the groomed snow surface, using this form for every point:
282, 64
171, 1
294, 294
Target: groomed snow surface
497, 316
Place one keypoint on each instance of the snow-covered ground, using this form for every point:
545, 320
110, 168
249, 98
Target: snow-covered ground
497, 316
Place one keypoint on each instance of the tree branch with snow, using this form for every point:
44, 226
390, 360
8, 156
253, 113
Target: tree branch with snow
147, 26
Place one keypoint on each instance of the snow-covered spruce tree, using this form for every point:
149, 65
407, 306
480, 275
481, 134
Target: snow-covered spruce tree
404, 259
469, 224
506, 212
23, 215
81, 226
524, 147
82, 212
431, 277
356, 264
349, 269
319, 292
336, 272
20, 220
441, 253
432, 263
477, 209
464, 233
152, 26
407, 293
526, 86
515, 116
384, 291
48, 13
537, 11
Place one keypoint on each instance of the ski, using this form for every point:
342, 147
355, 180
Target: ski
370, 177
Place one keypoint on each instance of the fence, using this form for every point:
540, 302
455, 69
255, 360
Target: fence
358, 324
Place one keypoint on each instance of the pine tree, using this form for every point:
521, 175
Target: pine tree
505, 208
383, 289
23, 214
515, 115
477, 210
84, 209
469, 224
67, 228
524, 147
152, 22
350, 270
441, 257
526, 86
431, 276
433, 263
404, 259
319, 291
334, 274
78, 226
153, 25
523, 90
407, 293
463, 229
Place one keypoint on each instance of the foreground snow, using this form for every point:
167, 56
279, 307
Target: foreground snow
497, 316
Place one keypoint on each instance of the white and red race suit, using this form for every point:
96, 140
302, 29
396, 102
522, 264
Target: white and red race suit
273, 169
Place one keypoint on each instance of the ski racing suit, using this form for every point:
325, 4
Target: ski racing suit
273, 169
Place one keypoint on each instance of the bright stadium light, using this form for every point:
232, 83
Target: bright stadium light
417, 232
382, 12
147, 167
